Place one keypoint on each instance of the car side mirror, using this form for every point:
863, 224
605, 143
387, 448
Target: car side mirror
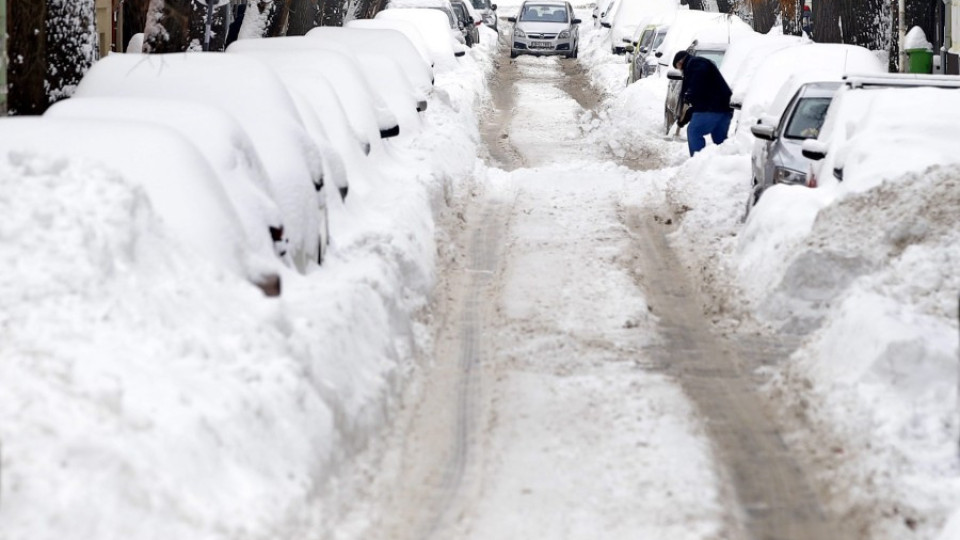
576, 21
605, 24
644, 50
675, 75
629, 48
763, 131
658, 54
458, 54
595, 17
814, 149
736, 105
512, 19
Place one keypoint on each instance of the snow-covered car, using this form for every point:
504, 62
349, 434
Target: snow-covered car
389, 43
354, 88
545, 27
688, 26
455, 25
470, 19
435, 30
223, 143
853, 114
250, 92
778, 158
487, 11
763, 98
640, 52
183, 189
408, 29
630, 15
672, 105
604, 11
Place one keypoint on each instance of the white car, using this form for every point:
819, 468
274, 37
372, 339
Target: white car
408, 29
434, 29
250, 92
628, 15
183, 190
391, 43
354, 88
456, 26
223, 143
885, 102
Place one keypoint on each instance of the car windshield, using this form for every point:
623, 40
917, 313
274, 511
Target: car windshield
714, 56
807, 118
543, 13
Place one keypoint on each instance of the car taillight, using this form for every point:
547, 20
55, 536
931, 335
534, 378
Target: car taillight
812, 180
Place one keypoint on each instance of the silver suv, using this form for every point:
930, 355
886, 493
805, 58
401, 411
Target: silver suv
545, 27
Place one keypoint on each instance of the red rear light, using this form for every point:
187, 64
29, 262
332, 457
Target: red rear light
812, 181
479, 23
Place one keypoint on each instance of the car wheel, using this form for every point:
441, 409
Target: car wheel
513, 54
576, 51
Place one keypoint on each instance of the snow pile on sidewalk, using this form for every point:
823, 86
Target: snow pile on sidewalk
147, 394
865, 273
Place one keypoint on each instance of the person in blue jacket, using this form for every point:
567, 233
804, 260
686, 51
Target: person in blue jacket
708, 96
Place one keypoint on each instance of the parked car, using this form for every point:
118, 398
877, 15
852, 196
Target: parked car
225, 146
469, 19
488, 12
641, 57
434, 29
602, 11
630, 15
386, 42
778, 159
245, 89
183, 190
545, 28
688, 26
672, 106
457, 28
851, 109
408, 29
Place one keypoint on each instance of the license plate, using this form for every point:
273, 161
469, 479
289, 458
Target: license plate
541, 45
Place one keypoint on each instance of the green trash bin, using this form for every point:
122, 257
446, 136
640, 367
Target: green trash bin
920, 61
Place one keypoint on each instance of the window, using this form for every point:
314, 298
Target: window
543, 13
714, 56
807, 118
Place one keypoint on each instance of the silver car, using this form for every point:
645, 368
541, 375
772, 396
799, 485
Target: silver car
779, 159
488, 11
545, 27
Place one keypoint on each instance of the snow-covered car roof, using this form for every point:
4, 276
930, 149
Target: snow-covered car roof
408, 29
826, 60
182, 187
742, 58
353, 86
630, 14
443, 6
250, 92
383, 74
434, 29
886, 137
392, 43
224, 145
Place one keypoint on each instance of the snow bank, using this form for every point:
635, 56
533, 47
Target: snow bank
149, 394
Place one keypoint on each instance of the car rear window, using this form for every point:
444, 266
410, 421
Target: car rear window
543, 13
807, 118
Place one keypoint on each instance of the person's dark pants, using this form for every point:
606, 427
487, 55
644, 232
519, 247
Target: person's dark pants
715, 124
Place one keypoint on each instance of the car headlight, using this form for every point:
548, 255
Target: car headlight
564, 35
782, 175
518, 33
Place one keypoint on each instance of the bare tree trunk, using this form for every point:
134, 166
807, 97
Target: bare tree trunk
27, 44
277, 18
134, 13
304, 16
764, 14
826, 22
866, 23
725, 6
790, 16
